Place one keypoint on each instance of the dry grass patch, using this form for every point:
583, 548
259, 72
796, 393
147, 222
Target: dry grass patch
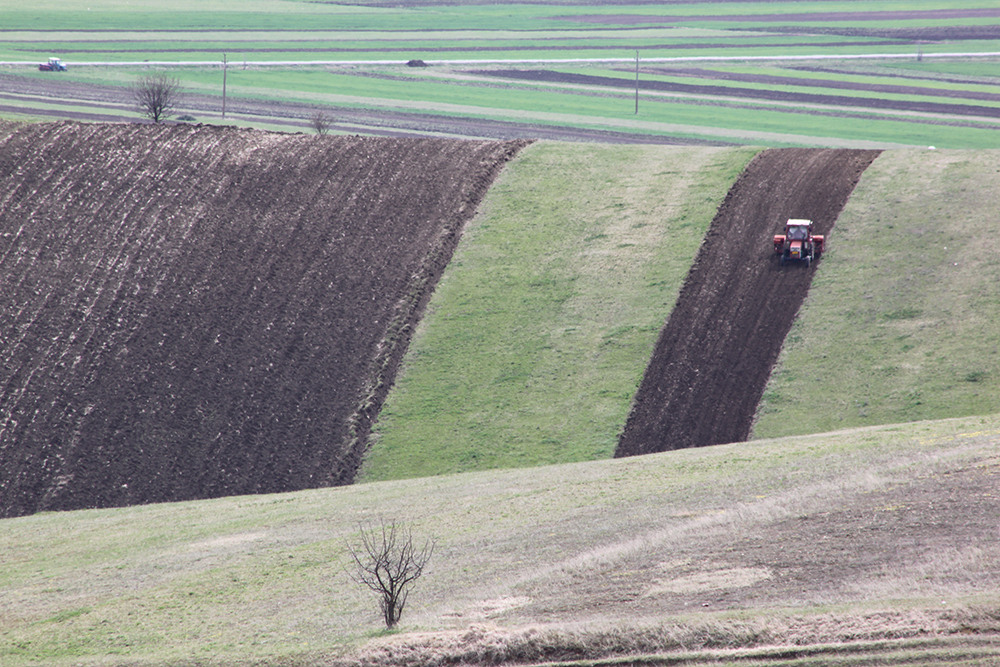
894, 636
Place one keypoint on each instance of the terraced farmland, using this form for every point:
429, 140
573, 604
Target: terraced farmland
840, 75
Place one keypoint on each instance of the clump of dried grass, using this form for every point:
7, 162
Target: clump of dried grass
491, 645
484, 644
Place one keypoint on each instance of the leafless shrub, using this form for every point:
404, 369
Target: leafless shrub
387, 562
321, 122
155, 95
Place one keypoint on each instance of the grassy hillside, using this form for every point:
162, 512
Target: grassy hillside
903, 320
538, 334
858, 542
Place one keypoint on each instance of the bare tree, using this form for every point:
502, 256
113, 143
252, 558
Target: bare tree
321, 122
387, 562
155, 95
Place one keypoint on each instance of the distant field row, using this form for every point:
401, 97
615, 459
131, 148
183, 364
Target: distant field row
946, 103
880, 76
900, 93
112, 30
187, 15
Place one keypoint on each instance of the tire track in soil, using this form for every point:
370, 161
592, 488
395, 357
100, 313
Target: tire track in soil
716, 351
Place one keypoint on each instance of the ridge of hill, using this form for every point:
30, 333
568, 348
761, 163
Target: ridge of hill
191, 312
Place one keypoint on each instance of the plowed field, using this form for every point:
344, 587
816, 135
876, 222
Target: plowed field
192, 312
716, 351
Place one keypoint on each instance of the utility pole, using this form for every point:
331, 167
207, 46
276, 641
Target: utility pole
636, 83
224, 68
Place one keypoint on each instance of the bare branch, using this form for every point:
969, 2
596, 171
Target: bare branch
321, 122
387, 562
155, 95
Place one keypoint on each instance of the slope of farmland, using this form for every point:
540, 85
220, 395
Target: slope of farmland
903, 322
538, 334
716, 351
194, 312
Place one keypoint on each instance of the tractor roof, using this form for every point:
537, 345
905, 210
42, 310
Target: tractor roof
795, 222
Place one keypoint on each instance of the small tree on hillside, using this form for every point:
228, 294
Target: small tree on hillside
321, 122
155, 95
387, 562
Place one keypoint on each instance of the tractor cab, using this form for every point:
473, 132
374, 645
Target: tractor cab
798, 230
798, 242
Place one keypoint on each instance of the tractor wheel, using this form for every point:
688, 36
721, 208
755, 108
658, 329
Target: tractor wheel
808, 261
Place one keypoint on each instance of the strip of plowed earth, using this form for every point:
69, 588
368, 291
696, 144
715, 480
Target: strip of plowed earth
195, 312
747, 93
716, 351
929, 77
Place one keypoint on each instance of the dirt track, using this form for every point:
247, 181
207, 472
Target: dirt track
192, 312
716, 351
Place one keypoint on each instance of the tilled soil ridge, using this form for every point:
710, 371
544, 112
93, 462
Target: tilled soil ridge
193, 312
716, 351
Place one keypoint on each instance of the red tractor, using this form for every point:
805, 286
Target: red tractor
798, 243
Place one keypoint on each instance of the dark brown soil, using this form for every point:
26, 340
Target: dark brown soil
716, 351
192, 312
